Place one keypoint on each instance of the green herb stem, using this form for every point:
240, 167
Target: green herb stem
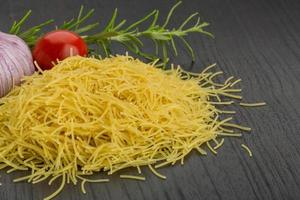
130, 36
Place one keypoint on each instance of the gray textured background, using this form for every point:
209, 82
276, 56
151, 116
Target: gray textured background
258, 41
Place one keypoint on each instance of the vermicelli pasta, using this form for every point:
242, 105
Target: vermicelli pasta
88, 115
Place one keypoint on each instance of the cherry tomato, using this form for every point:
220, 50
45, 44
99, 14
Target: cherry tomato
58, 44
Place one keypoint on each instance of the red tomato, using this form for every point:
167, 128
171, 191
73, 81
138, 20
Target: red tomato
58, 44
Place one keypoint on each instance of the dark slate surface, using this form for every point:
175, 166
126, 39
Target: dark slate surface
258, 41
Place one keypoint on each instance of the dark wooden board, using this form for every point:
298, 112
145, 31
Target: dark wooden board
258, 41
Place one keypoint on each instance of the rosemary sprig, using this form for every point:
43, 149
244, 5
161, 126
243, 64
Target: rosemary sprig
162, 37
130, 36
31, 35
74, 24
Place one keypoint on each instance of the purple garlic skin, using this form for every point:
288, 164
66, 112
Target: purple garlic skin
15, 62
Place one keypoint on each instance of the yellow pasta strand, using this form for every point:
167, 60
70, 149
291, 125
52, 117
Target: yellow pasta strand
58, 190
141, 178
156, 172
83, 186
247, 149
253, 104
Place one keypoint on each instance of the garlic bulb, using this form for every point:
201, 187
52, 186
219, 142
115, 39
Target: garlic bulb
15, 62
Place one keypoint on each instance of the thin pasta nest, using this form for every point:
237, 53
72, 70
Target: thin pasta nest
88, 115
